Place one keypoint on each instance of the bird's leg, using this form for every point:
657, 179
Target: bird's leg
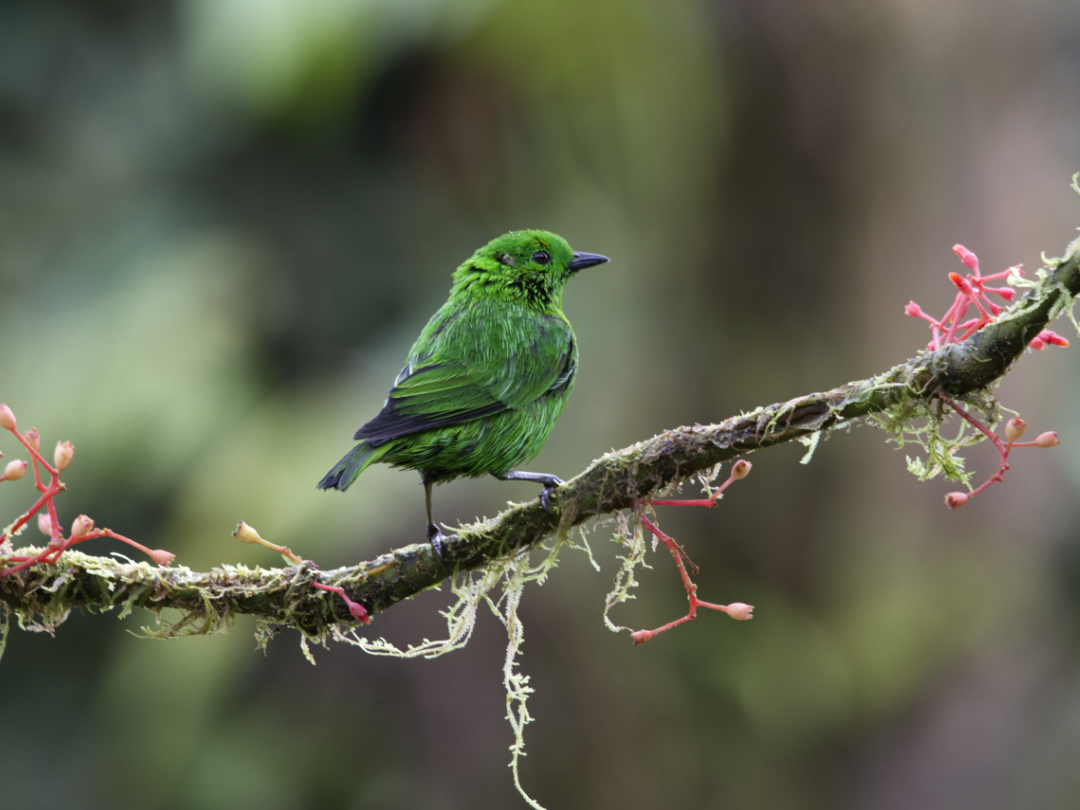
434, 535
549, 482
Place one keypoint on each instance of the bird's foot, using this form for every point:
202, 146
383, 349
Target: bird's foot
436, 538
549, 482
549, 487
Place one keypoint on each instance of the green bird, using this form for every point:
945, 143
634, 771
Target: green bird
486, 379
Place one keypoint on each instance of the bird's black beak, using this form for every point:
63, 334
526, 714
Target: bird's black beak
583, 260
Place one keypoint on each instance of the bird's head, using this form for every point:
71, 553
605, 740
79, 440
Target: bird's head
527, 266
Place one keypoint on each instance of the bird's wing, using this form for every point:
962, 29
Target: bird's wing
474, 364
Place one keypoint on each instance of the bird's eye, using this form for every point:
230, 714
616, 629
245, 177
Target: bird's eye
541, 257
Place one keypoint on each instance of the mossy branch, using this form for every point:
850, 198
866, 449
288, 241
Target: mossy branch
42, 595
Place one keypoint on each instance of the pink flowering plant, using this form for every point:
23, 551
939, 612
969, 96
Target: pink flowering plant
48, 484
972, 309
972, 293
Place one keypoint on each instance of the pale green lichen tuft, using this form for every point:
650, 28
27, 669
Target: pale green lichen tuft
629, 533
5, 627
920, 423
811, 444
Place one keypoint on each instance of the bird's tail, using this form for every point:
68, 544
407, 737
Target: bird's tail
349, 468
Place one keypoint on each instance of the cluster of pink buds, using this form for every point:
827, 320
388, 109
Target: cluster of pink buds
1014, 431
82, 528
955, 325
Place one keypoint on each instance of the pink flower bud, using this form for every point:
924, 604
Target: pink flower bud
969, 259
7, 418
358, 611
1014, 429
913, 309
246, 533
1005, 292
33, 439
14, 470
1052, 338
740, 611
44, 524
82, 526
954, 500
741, 469
1037, 344
62, 455
1048, 439
641, 636
963, 284
161, 556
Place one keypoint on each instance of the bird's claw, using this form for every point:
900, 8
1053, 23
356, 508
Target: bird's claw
545, 493
436, 538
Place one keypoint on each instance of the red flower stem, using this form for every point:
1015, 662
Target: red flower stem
952, 310
54, 547
56, 532
995, 478
50, 493
641, 636
973, 422
961, 311
110, 533
975, 301
358, 611
954, 313
37, 475
16, 568
1003, 448
58, 545
972, 330
709, 502
673, 547
30, 449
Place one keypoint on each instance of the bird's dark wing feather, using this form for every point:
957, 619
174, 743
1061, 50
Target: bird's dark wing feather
427, 397
477, 364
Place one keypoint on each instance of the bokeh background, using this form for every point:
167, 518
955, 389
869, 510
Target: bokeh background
222, 223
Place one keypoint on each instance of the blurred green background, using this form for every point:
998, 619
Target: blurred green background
222, 223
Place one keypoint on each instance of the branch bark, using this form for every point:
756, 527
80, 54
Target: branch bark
284, 598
